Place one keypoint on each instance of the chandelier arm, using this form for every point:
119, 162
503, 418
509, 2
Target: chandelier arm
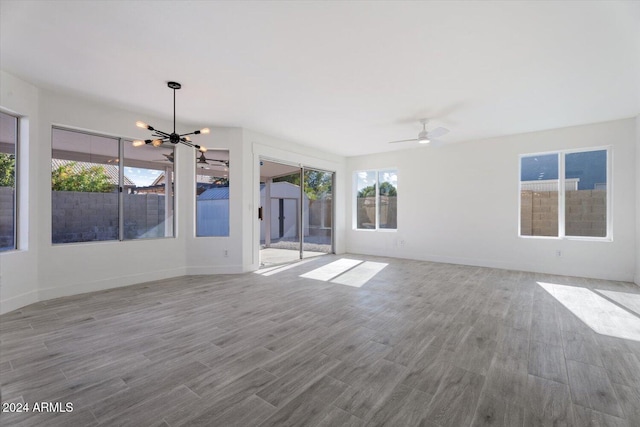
195, 132
161, 133
187, 143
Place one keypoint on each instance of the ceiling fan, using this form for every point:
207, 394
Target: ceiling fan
202, 161
425, 136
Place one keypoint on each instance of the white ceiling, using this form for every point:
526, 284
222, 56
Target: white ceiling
343, 76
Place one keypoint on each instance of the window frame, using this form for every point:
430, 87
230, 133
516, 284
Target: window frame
120, 187
562, 197
377, 200
16, 179
196, 223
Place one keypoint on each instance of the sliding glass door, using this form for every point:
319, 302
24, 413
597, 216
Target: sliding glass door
318, 188
296, 212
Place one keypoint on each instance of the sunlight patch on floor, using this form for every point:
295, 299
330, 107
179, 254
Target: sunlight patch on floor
331, 270
280, 268
626, 299
345, 271
361, 274
603, 316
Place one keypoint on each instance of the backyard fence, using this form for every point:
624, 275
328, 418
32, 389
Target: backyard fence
585, 213
83, 216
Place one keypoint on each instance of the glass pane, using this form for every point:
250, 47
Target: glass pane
586, 193
319, 209
388, 182
8, 143
148, 191
539, 187
84, 184
366, 200
284, 211
212, 193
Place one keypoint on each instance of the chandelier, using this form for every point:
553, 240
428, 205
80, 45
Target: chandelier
160, 137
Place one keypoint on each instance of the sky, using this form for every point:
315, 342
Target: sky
141, 177
589, 166
368, 178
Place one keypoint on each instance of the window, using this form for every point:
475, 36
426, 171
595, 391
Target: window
212, 193
8, 177
147, 191
376, 200
95, 199
565, 194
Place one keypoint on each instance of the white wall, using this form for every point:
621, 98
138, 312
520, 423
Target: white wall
443, 214
18, 269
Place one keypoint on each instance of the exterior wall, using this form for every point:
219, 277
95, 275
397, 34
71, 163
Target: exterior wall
82, 217
367, 211
213, 217
6, 217
585, 213
320, 216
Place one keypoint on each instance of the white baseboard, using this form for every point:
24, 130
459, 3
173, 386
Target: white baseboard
216, 269
546, 268
17, 302
101, 285
44, 294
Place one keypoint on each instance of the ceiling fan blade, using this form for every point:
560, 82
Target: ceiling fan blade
403, 140
438, 132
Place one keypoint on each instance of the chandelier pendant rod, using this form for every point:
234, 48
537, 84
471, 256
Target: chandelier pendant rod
174, 110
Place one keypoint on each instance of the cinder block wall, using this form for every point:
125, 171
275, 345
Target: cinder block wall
585, 212
6, 217
82, 217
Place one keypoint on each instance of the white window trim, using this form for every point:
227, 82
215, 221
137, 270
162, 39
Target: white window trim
121, 208
18, 243
354, 216
561, 194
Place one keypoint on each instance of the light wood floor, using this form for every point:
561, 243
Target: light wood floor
419, 344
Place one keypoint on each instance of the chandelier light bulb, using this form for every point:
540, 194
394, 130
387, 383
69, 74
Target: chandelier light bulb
138, 143
202, 149
156, 142
142, 125
205, 131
